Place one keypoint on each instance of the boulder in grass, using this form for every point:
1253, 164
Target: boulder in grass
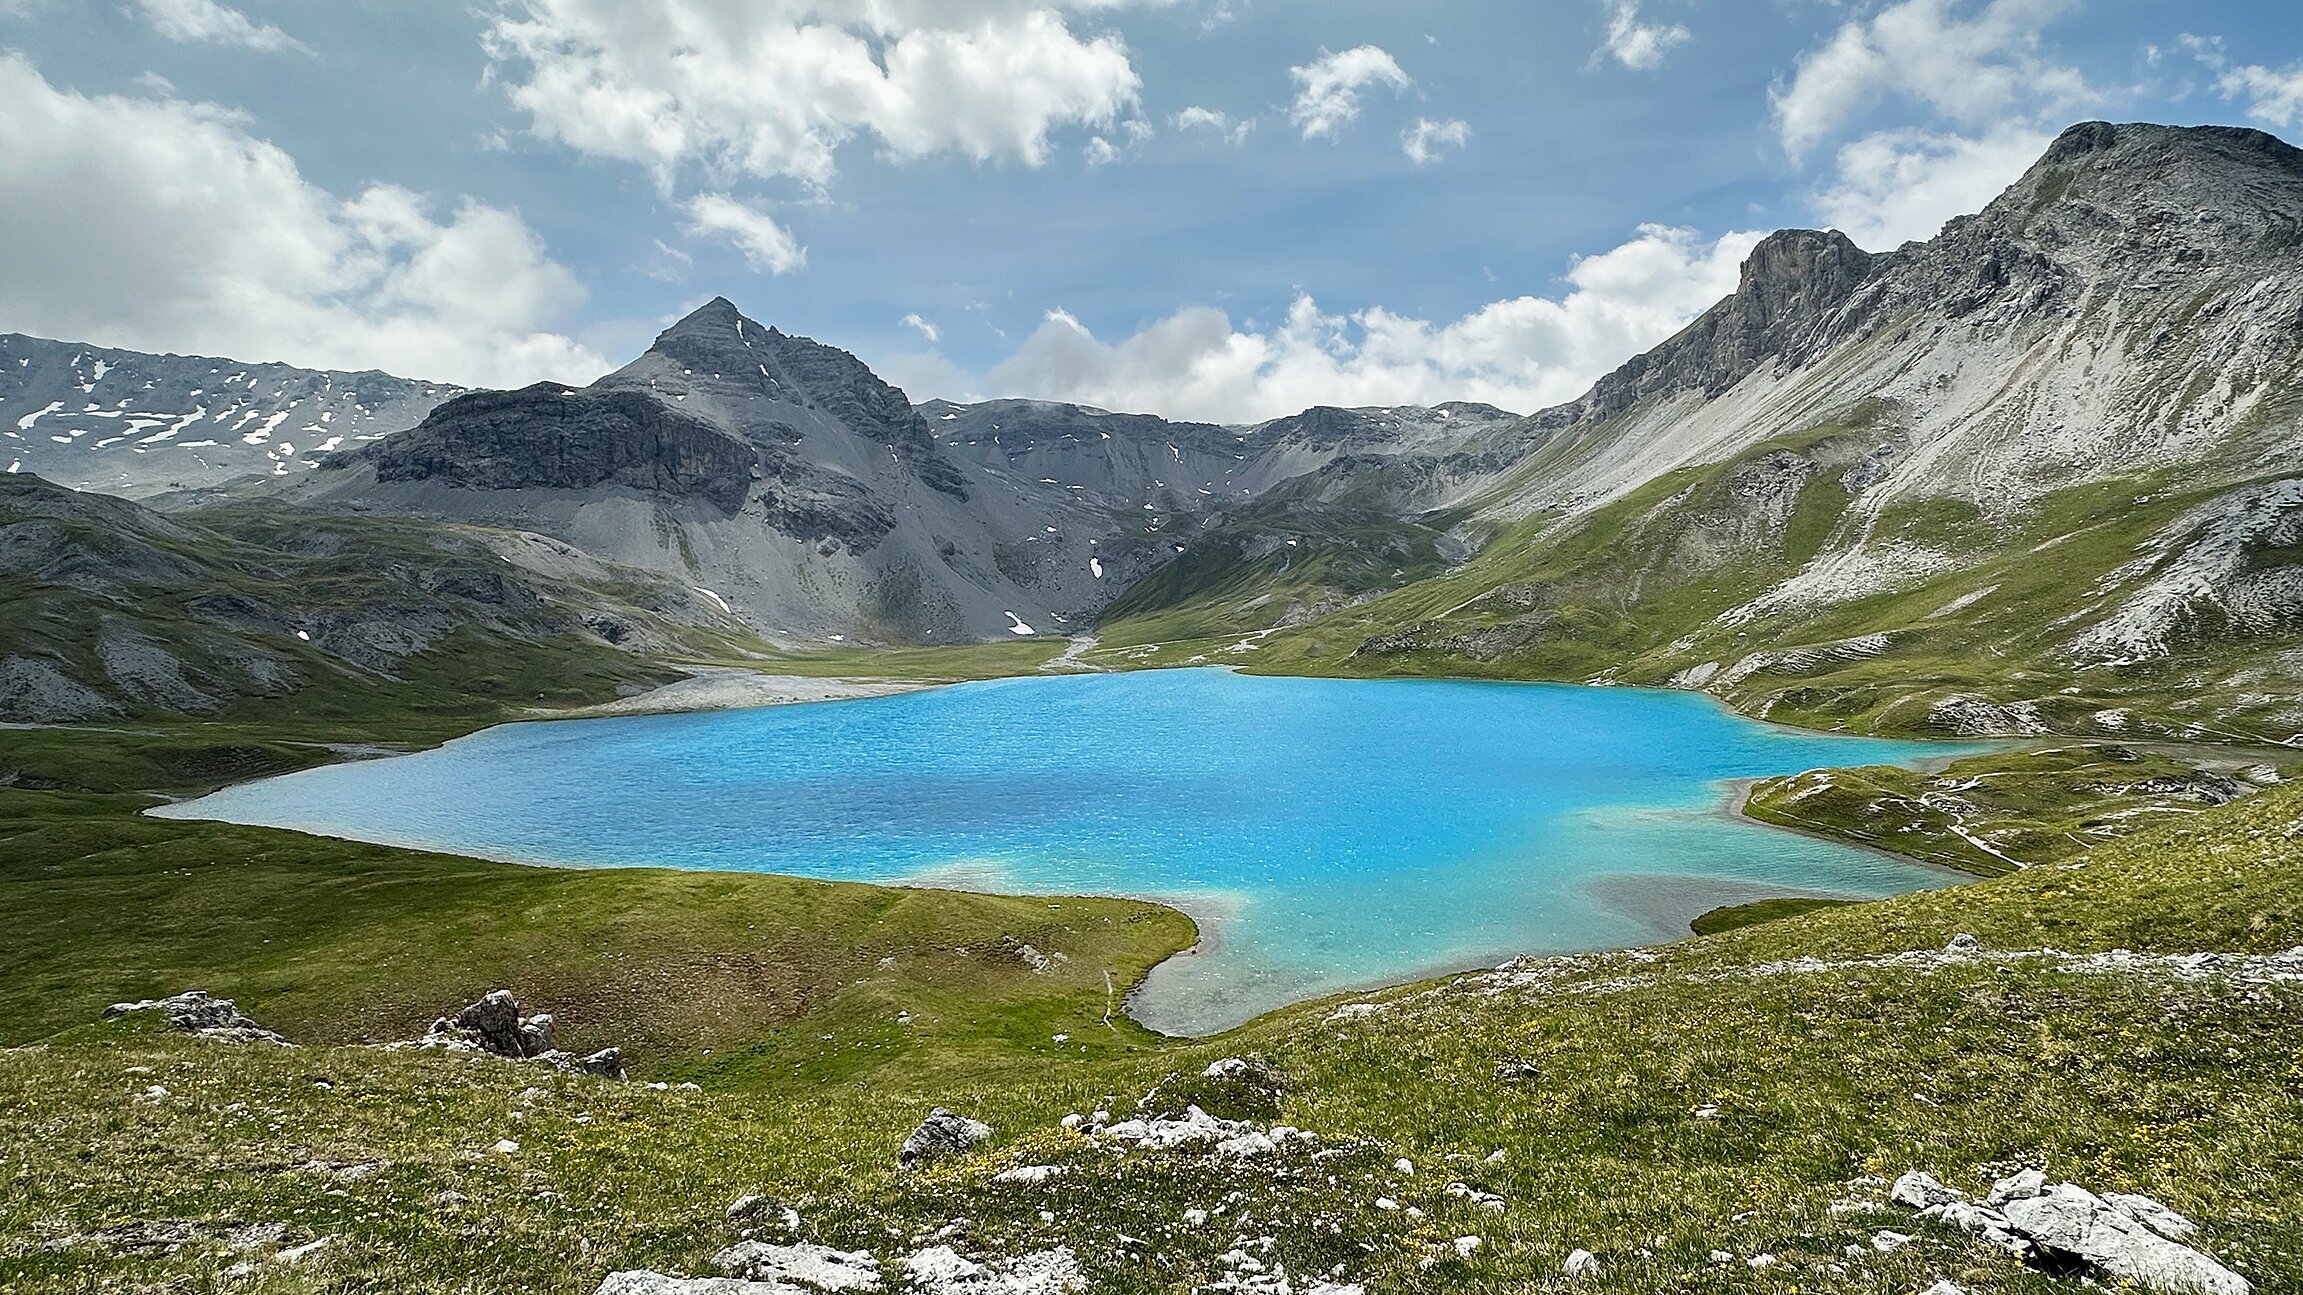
2133, 1239
200, 1013
1918, 1191
942, 1134
2070, 1220
494, 1025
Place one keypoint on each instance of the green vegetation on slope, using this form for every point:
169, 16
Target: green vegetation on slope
1280, 559
1735, 917
1990, 814
736, 977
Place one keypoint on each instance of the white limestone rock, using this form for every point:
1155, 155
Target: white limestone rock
2070, 1220
942, 1134
806, 1265
1920, 1191
941, 1270
202, 1014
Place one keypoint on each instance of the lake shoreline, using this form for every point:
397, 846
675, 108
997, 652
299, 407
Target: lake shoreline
718, 688
1327, 932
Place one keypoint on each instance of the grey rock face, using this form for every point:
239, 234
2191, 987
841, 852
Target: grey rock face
1782, 310
199, 1012
550, 437
942, 1134
940, 1270
607, 1063
2069, 1220
1920, 1191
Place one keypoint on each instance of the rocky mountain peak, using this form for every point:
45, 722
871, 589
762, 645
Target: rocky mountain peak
1795, 269
1792, 284
2101, 189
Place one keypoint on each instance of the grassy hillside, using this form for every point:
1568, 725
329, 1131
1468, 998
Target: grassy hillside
704, 974
1657, 1109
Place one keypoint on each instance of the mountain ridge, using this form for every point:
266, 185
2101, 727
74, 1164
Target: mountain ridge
1924, 481
1845, 430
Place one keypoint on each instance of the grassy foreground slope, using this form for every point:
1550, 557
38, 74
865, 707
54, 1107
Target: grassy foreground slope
743, 979
1680, 1113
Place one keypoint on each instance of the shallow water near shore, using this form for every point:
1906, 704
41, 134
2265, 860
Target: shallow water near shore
1328, 834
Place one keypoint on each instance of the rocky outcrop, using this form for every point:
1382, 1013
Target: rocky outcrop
1783, 309
1196, 1128
2127, 1238
821, 1270
654, 1283
495, 1026
201, 1013
941, 1270
551, 437
1975, 717
940, 1135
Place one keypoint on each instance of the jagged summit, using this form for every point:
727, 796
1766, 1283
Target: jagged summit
2106, 193
2139, 146
2107, 209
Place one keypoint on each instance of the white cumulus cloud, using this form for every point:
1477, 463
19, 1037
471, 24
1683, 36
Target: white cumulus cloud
766, 245
774, 88
1974, 64
206, 22
1640, 46
1524, 354
165, 225
2273, 95
1427, 139
1896, 186
1197, 118
923, 328
1328, 88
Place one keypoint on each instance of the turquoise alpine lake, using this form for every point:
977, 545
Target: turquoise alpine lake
1327, 834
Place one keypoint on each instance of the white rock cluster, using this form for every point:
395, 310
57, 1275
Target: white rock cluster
494, 1026
2130, 1238
1196, 1127
1594, 975
757, 1268
1252, 1268
203, 1015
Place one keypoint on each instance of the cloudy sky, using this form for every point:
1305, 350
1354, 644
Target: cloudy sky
1220, 209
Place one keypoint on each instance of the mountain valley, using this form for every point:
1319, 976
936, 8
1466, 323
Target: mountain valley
2035, 484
